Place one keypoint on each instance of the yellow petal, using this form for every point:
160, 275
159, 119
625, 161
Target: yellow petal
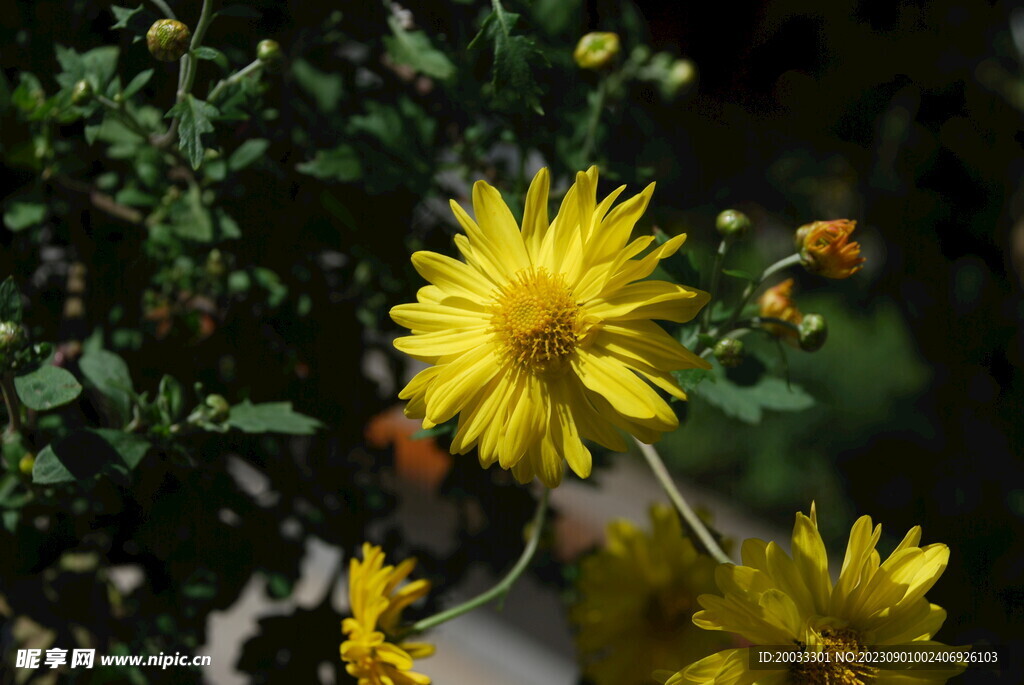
629, 395
647, 341
428, 317
452, 276
429, 346
613, 233
525, 423
535, 215
649, 300
458, 380
499, 227
811, 562
626, 270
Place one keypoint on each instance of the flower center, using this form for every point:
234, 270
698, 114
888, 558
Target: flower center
536, 320
667, 612
837, 670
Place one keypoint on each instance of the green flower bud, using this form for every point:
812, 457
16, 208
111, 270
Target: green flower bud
215, 263
168, 40
596, 50
13, 337
268, 52
81, 93
219, 408
729, 352
732, 224
813, 332
26, 463
681, 74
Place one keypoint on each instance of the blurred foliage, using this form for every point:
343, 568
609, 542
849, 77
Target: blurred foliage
255, 246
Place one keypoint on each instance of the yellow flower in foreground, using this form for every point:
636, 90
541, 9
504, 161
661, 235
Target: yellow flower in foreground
596, 50
777, 303
773, 600
638, 597
825, 248
543, 336
376, 604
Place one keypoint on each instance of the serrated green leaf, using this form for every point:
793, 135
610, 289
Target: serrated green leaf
10, 301
414, 49
512, 83
326, 88
131, 447
138, 83
247, 153
191, 218
47, 387
19, 215
213, 55
271, 417
193, 121
108, 373
340, 164
748, 403
123, 15
688, 379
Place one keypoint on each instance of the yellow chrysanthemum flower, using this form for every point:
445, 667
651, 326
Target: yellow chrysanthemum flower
543, 336
826, 249
376, 603
638, 595
774, 600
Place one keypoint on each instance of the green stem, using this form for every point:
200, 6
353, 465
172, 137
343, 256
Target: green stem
689, 516
716, 275
124, 115
753, 286
187, 74
250, 68
502, 588
12, 404
595, 119
165, 8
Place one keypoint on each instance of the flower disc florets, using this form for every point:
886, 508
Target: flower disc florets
536, 320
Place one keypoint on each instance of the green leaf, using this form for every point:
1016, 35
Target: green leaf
247, 153
271, 417
97, 66
192, 220
131, 447
87, 453
108, 373
689, 379
123, 15
170, 398
327, 89
413, 48
748, 403
10, 301
193, 121
213, 55
138, 83
20, 215
514, 56
340, 164
47, 387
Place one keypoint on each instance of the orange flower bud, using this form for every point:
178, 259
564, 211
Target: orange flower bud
777, 303
825, 248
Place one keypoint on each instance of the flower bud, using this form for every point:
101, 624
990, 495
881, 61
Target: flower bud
813, 332
777, 303
12, 337
219, 408
732, 224
596, 50
729, 352
268, 52
168, 39
681, 74
825, 248
81, 93
27, 462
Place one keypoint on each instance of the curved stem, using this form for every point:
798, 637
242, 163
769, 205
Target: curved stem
753, 286
250, 68
499, 590
187, 73
716, 275
12, 404
693, 521
165, 8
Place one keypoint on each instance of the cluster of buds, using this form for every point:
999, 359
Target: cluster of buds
168, 39
596, 50
826, 249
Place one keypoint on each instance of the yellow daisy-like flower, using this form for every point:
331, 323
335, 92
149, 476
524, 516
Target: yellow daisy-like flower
826, 249
775, 600
376, 603
638, 597
543, 336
